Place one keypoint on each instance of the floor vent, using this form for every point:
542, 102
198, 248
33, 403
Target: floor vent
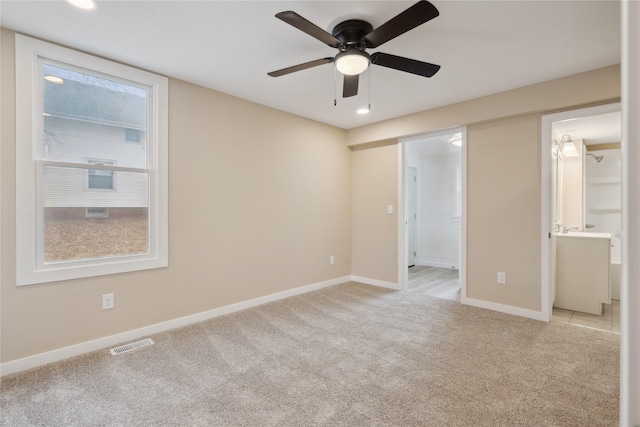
131, 347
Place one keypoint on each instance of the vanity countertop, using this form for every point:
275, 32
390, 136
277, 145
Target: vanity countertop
586, 234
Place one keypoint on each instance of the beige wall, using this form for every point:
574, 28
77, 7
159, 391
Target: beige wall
375, 233
503, 211
503, 179
566, 93
258, 201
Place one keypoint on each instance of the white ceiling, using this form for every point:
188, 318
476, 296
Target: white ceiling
484, 47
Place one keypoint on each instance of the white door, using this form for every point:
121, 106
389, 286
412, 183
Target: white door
412, 186
556, 214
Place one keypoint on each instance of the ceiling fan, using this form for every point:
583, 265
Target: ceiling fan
353, 37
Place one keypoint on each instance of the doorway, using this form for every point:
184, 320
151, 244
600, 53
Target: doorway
577, 197
412, 214
432, 222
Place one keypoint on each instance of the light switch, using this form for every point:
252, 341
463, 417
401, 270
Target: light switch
390, 209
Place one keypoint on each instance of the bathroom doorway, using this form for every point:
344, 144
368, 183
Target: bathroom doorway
433, 221
581, 194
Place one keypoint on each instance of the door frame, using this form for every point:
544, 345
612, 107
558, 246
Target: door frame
546, 223
403, 164
417, 201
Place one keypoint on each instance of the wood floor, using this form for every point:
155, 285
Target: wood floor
434, 281
444, 283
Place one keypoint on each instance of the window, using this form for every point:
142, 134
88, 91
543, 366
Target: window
88, 202
97, 213
99, 178
132, 135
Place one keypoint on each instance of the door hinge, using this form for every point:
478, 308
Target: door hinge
414, 216
414, 253
415, 179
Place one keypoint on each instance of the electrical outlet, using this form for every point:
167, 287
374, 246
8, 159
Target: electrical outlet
108, 301
332, 260
502, 278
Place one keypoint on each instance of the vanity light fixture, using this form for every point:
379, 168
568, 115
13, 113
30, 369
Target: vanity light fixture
568, 147
84, 4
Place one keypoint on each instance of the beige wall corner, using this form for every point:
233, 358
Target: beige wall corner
374, 231
503, 183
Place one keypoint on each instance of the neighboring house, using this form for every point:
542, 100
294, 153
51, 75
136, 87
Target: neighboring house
88, 124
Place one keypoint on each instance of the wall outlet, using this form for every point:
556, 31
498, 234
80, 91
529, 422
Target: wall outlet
332, 260
390, 209
502, 278
108, 301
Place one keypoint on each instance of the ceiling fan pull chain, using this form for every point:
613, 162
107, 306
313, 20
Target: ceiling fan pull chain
335, 97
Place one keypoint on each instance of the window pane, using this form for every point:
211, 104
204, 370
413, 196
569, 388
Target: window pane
101, 182
87, 116
80, 224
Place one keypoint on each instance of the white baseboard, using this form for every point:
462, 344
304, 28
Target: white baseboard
502, 308
376, 282
100, 343
429, 263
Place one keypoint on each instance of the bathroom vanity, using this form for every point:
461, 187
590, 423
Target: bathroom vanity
582, 271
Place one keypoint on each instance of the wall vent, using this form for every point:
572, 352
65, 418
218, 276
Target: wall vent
131, 347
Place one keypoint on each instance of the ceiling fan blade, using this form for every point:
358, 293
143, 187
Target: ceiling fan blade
308, 27
416, 15
350, 85
300, 67
404, 64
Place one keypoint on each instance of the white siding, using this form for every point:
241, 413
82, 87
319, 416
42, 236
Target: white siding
76, 141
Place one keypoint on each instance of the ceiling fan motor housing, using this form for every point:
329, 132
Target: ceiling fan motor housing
351, 33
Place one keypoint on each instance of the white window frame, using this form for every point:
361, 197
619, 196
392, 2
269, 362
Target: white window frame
30, 265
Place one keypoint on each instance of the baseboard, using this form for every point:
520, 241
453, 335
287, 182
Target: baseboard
502, 308
428, 263
376, 282
101, 343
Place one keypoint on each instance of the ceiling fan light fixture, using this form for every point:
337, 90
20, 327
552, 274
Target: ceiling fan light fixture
352, 62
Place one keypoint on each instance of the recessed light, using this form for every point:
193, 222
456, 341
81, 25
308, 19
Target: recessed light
54, 79
84, 4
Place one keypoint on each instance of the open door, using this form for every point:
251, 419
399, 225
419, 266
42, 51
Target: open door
412, 183
554, 128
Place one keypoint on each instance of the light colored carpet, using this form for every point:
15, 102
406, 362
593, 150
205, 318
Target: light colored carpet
347, 355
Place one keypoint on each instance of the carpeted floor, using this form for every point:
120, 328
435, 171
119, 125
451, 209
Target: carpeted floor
351, 355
